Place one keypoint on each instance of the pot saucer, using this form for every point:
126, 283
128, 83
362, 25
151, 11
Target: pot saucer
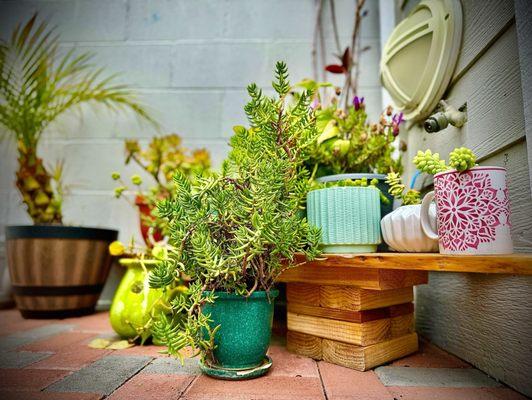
237, 375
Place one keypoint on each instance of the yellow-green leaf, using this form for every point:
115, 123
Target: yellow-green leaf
99, 343
330, 131
239, 129
342, 146
120, 345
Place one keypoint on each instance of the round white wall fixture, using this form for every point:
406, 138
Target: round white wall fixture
419, 58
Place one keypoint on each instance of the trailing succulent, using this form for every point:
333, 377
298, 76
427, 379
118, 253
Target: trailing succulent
236, 231
460, 159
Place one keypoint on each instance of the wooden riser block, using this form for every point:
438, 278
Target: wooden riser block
351, 316
346, 297
350, 298
366, 278
360, 358
304, 345
360, 334
303, 293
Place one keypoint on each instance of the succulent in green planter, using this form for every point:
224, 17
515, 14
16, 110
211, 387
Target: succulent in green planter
348, 215
235, 232
163, 156
351, 147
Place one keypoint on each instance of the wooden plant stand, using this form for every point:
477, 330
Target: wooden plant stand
357, 310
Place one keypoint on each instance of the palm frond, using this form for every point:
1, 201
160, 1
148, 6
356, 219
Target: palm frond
37, 84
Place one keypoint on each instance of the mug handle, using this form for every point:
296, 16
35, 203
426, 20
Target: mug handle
425, 219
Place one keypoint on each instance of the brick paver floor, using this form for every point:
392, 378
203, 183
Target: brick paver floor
51, 360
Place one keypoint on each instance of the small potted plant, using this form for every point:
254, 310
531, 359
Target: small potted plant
472, 204
57, 271
401, 229
163, 156
235, 232
135, 305
349, 147
348, 215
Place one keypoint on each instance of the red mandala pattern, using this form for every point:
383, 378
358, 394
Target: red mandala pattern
469, 209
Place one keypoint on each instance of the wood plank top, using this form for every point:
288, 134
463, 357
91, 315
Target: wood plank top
520, 264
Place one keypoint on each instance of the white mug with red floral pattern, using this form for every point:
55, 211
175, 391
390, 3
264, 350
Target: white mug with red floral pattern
473, 211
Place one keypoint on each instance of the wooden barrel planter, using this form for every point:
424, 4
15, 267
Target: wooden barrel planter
58, 271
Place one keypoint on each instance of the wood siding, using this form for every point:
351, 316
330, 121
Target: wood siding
483, 319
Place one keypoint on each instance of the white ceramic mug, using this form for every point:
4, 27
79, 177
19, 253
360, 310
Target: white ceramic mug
473, 211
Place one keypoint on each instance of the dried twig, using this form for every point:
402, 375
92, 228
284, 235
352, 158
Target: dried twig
351, 85
319, 7
335, 27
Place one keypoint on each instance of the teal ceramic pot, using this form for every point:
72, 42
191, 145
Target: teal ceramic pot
349, 218
245, 328
386, 207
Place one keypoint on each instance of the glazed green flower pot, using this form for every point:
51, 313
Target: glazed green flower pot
133, 303
349, 218
245, 328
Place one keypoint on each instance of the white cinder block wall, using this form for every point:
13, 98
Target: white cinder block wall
190, 61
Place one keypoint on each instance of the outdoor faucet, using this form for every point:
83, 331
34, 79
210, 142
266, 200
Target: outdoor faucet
440, 120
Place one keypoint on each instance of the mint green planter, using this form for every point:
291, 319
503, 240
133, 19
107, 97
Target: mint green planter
245, 329
349, 218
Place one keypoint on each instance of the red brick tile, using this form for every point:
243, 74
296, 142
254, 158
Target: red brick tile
265, 388
71, 360
23, 325
29, 379
344, 383
6, 395
153, 387
436, 393
430, 356
150, 351
10, 315
288, 364
98, 323
67, 341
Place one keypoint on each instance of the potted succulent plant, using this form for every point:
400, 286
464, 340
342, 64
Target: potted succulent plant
163, 156
56, 271
348, 215
349, 147
401, 229
135, 305
472, 204
235, 232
